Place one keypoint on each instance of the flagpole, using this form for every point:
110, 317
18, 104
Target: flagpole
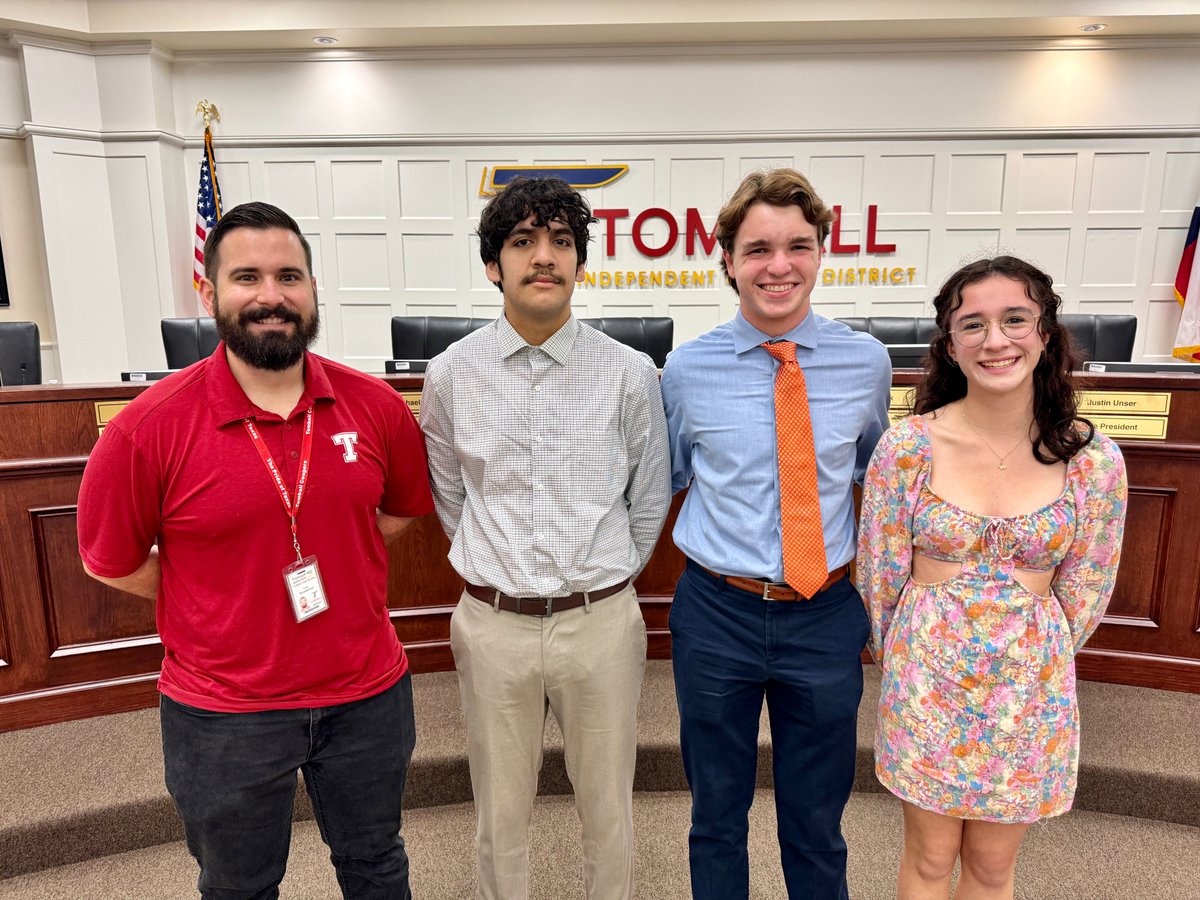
208, 196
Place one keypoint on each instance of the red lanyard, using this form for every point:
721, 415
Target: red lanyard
305, 457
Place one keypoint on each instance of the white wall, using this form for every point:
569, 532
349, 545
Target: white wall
20, 224
1085, 160
391, 231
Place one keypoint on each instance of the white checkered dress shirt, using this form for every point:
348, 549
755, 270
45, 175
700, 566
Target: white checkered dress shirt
550, 465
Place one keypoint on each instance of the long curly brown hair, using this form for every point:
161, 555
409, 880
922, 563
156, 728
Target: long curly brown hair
1061, 431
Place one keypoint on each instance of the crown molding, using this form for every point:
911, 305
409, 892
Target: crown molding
607, 138
611, 51
690, 137
660, 50
22, 39
32, 129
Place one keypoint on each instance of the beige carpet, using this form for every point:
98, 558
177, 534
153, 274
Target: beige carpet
1082, 856
81, 798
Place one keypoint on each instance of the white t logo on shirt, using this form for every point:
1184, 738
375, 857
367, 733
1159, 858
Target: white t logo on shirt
347, 439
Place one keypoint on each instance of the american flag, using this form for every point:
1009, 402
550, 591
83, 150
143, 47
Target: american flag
208, 206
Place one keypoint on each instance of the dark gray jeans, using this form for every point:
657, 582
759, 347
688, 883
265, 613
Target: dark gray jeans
233, 779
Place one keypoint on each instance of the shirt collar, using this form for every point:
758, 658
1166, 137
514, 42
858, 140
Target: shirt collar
229, 403
557, 346
747, 337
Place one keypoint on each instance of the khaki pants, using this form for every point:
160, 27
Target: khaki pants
586, 664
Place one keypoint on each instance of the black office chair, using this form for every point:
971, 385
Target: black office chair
20, 354
895, 329
188, 341
1105, 338
650, 334
424, 337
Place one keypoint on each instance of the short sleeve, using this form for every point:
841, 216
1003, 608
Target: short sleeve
120, 506
406, 489
1087, 574
885, 542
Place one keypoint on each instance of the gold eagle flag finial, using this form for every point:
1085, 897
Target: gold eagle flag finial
209, 111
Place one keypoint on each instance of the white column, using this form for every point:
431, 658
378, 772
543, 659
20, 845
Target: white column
102, 153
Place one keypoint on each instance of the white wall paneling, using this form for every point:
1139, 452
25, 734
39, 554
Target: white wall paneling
1073, 156
81, 250
393, 227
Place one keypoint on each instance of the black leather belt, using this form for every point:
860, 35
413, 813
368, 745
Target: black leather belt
543, 606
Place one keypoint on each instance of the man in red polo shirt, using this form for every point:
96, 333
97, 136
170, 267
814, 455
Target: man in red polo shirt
252, 495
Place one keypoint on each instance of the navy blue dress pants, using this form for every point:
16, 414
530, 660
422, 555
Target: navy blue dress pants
233, 779
730, 649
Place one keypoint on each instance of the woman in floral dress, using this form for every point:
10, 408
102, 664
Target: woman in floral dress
991, 528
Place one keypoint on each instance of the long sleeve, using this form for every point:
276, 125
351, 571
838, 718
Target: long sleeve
1087, 574
648, 491
445, 472
877, 423
885, 541
679, 439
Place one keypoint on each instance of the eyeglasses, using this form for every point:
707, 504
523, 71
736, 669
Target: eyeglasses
1014, 325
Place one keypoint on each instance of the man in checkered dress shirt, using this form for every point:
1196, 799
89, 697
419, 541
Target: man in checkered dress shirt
548, 455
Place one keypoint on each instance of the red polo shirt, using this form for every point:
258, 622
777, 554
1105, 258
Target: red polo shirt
177, 467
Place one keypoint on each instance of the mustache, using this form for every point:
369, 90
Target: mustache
529, 279
270, 312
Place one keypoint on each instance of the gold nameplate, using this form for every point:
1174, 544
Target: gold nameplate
413, 399
1148, 428
1123, 402
105, 410
902, 397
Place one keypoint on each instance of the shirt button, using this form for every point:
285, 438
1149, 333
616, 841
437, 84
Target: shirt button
541, 537
537, 439
294, 454
537, 485
537, 388
287, 426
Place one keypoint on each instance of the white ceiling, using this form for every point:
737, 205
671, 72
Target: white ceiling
215, 25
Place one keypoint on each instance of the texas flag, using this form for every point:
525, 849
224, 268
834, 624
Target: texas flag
1187, 292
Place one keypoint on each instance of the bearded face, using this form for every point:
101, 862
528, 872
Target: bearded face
266, 337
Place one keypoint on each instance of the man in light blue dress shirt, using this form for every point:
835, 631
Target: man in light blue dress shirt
739, 633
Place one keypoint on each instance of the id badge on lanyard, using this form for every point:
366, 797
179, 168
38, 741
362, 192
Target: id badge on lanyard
303, 577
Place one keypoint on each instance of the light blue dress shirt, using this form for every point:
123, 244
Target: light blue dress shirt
719, 394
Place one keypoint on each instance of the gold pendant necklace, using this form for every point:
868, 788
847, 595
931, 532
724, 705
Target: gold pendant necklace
1000, 459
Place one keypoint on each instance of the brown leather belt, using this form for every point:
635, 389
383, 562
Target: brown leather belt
543, 606
770, 590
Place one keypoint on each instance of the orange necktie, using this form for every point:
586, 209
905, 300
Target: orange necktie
803, 540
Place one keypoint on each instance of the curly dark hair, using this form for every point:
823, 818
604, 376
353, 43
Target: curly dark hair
545, 198
1061, 432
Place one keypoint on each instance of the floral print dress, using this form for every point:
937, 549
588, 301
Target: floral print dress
977, 712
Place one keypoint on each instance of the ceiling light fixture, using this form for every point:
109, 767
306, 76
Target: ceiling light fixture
1093, 28
327, 41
